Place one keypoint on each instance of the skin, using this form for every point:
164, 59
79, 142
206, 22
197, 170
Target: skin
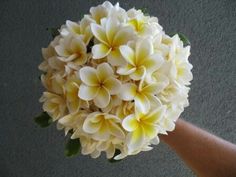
206, 154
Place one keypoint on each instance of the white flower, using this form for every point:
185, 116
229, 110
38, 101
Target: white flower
143, 96
102, 126
74, 103
111, 35
72, 49
81, 29
98, 84
54, 105
142, 127
115, 80
140, 61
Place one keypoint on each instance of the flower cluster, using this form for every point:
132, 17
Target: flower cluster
115, 80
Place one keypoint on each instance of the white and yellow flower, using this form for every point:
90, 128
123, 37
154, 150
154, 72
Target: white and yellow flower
142, 127
72, 48
111, 35
102, 126
54, 105
74, 103
141, 61
98, 84
143, 25
144, 96
80, 29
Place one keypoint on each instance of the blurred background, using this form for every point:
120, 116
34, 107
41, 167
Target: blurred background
27, 150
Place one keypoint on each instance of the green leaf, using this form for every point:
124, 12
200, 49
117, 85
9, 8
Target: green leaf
145, 11
182, 37
43, 120
112, 160
72, 147
54, 31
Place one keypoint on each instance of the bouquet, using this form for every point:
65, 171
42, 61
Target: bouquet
114, 80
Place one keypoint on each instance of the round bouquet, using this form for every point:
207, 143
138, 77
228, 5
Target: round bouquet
114, 80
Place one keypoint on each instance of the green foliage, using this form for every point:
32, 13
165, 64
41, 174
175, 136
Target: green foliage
182, 37
43, 120
72, 147
54, 31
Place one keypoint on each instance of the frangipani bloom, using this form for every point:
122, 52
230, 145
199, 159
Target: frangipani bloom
54, 105
111, 35
142, 127
74, 103
102, 126
81, 29
72, 49
115, 80
140, 61
98, 84
143, 96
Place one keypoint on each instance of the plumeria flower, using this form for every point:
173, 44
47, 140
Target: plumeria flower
98, 84
143, 96
143, 25
72, 49
142, 127
73, 121
102, 126
54, 105
53, 83
140, 61
81, 29
111, 36
74, 103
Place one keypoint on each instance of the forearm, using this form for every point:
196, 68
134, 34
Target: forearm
206, 154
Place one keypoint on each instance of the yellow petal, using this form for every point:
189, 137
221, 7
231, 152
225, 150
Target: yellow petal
135, 139
150, 130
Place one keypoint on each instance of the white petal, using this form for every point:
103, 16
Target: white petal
128, 91
99, 33
102, 98
100, 51
88, 76
143, 49
87, 92
142, 103
116, 131
130, 123
112, 85
128, 54
115, 58
104, 70
89, 126
111, 28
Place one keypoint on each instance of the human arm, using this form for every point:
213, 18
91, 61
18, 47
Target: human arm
206, 154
